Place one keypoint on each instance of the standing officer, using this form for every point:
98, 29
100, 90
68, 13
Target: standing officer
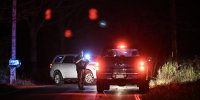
80, 68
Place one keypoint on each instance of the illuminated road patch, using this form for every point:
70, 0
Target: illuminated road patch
71, 92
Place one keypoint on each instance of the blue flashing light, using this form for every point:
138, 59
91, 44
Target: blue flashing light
60, 57
87, 56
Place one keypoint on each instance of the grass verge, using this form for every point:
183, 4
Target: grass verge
175, 91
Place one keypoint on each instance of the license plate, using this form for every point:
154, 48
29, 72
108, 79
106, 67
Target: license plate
119, 76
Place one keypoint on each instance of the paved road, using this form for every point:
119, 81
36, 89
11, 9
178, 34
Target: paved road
71, 92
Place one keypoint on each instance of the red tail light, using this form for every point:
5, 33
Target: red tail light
50, 65
141, 66
96, 67
99, 65
141, 63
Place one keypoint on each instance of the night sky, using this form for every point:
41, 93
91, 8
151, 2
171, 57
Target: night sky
143, 24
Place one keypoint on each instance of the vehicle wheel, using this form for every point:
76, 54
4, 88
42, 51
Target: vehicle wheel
89, 78
144, 87
100, 86
58, 79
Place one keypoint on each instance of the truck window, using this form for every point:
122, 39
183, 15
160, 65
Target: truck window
121, 52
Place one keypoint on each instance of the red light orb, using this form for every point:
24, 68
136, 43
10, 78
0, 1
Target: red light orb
93, 14
48, 14
122, 46
68, 33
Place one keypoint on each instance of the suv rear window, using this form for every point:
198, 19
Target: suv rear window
121, 52
58, 59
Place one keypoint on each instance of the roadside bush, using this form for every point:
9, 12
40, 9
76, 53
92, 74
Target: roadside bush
168, 73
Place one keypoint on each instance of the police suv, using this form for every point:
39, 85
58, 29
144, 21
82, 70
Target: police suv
122, 67
63, 68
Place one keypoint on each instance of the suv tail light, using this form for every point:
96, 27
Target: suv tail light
97, 66
50, 65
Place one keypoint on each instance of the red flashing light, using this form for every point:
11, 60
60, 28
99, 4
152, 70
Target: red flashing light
48, 14
68, 33
93, 14
122, 46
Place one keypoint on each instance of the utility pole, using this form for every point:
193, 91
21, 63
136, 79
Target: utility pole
13, 52
174, 34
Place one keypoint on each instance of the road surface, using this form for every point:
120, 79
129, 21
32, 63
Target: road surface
71, 92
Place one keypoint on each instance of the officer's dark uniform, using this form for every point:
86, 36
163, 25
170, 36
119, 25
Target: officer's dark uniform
80, 68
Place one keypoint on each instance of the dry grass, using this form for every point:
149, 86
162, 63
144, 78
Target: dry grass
176, 84
168, 74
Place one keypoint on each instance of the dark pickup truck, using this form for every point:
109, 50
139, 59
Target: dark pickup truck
122, 67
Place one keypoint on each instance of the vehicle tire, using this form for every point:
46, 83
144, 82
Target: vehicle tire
89, 78
100, 86
144, 87
58, 79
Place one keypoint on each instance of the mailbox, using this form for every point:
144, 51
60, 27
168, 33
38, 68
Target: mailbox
14, 63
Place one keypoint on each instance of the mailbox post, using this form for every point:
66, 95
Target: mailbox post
13, 64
